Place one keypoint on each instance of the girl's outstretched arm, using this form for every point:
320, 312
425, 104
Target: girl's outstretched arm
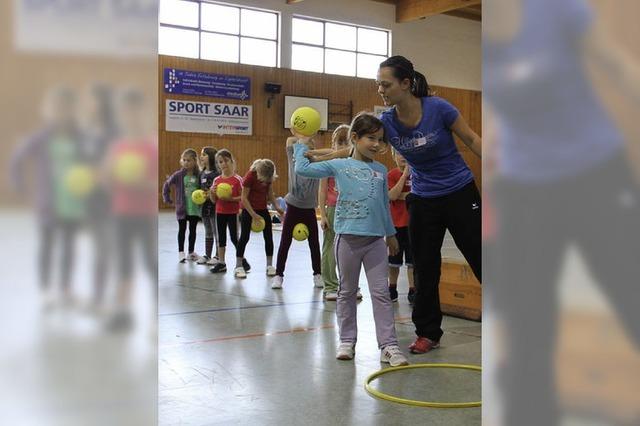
306, 169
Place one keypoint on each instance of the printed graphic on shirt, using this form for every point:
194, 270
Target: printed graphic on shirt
417, 140
352, 202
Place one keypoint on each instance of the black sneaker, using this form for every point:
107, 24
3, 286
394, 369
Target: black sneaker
246, 265
411, 296
393, 293
218, 267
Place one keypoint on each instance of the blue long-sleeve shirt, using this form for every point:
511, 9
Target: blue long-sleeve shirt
363, 201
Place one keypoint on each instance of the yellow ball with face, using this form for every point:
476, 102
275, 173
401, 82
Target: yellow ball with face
223, 190
199, 196
258, 225
300, 232
306, 121
79, 180
130, 168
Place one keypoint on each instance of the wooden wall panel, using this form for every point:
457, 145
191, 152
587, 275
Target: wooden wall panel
269, 135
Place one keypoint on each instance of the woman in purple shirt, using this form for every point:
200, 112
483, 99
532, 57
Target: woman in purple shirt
443, 193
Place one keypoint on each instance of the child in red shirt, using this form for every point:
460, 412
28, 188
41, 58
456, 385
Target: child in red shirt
256, 191
399, 186
226, 208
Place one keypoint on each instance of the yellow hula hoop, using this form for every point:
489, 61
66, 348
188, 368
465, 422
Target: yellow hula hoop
377, 394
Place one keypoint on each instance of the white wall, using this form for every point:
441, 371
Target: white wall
444, 48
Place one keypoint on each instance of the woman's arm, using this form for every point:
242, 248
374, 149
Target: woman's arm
341, 153
316, 152
467, 136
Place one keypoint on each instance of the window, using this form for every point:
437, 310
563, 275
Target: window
337, 48
220, 32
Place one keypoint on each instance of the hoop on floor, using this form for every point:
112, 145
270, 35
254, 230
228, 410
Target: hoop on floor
380, 395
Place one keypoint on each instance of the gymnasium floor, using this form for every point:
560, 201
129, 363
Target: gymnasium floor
237, 352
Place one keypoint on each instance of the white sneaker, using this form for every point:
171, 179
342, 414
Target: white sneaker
331, 296
239, 272
277, 282
346, 351
212, 261
393, 355
317, 281
271, 271
202, 260
193, 256
181, 257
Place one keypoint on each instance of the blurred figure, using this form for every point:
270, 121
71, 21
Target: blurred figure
562, 180
50, 155
132, 172
99, 130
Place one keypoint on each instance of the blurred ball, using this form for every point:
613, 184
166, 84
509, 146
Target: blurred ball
199, 196
300, 232
223, 190
79, 180
257, 225
305, 120
130, 168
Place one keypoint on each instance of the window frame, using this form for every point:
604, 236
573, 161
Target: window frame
199, 29
325, 47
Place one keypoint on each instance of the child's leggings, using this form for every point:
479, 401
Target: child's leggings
352, 251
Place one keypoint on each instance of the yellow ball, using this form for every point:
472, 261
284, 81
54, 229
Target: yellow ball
130, 168
79, 180
199, 196
257, 225
306, 121
223, 190
300, 232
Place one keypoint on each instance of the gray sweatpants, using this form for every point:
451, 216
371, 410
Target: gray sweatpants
352, 251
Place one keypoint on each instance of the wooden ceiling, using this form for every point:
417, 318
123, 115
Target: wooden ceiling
412, 10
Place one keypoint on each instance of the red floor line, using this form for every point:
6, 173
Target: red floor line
250, 336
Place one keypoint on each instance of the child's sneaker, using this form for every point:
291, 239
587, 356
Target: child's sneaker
239, 272
181, 257
393, 356
346, 351
203, 260
193, 256
245, 265
218, 267
331, 296
422, 345
318, 282
411, 297
212, 261
271, 271
277, 282
393, 293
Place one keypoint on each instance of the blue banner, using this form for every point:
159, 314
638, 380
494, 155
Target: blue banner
196, 83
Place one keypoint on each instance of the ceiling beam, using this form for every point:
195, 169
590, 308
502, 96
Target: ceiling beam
474, 13
411, 10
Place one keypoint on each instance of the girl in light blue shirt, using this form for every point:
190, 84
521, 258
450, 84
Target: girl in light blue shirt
362, 224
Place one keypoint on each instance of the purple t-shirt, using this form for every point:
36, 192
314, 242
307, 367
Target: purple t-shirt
551, 121
437, 168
